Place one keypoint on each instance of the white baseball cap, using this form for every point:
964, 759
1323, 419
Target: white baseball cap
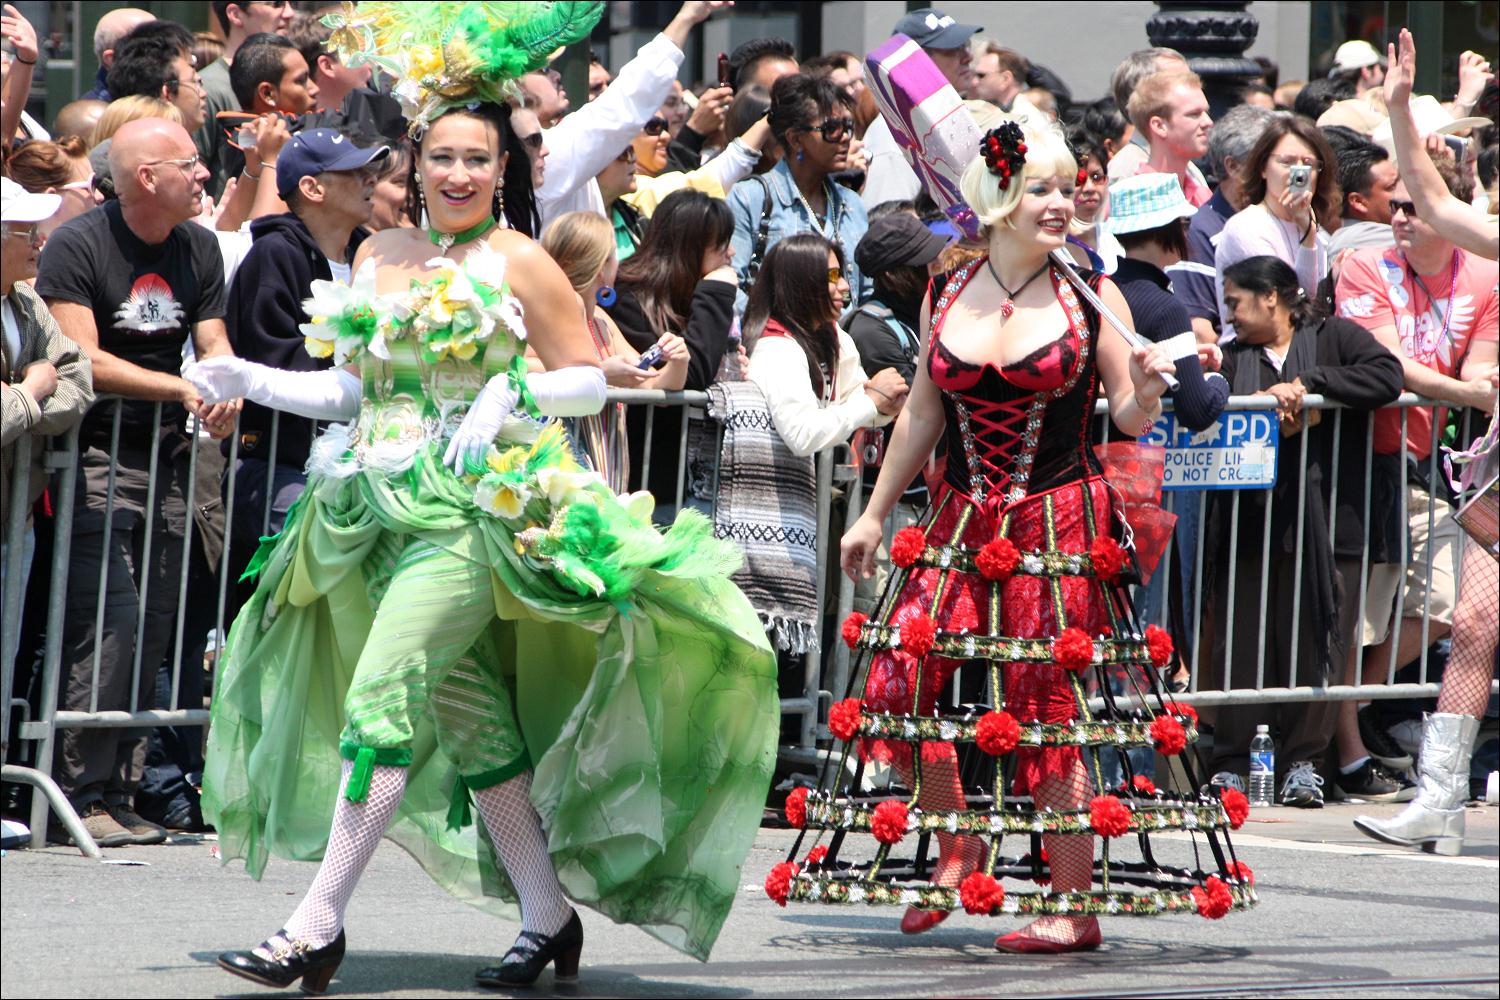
1354, 55
19, 205
1431, 118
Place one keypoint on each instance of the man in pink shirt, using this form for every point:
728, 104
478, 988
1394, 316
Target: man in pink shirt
1169, 109
1435, 306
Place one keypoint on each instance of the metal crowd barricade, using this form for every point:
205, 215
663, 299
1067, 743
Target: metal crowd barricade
825, 674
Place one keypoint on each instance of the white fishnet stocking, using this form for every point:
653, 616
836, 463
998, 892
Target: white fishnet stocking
1071, 859
357, 829
516, 831
1476, 627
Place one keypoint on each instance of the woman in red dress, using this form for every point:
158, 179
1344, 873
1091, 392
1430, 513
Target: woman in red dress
1010, 372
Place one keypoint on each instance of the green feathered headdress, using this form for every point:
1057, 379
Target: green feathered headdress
444, 54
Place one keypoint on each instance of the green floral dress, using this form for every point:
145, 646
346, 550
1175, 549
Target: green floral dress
470, 627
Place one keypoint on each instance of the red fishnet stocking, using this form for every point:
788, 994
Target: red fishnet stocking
942, 791
1476, 627
1071, 859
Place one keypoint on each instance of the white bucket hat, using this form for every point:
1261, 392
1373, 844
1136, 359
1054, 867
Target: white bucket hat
1146, 201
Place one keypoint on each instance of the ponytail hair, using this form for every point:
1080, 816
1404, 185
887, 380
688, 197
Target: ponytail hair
1265, 274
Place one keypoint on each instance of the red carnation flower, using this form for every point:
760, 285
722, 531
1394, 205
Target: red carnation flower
779, 882
997, 733
1214, 898
852, 626
917, 635
907, 547
1073, 649
1159, 642
1108, 816
1236, 806
981, 894
1241, 872
1143, 785
997, 559
843, 719
817, 854
888, 822
1168, 735
796, 808
1108, 557
1179, 708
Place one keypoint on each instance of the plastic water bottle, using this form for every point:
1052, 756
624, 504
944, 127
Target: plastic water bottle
1262, 768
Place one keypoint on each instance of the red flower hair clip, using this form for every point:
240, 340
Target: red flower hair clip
1004, 151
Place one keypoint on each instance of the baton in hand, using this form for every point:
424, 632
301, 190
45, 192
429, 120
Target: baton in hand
1061, 259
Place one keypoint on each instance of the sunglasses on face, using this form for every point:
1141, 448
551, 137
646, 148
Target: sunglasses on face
87, 184
835, 274
832, 130
1408, 208
655, 127
627, 157
532, 142
1085, 176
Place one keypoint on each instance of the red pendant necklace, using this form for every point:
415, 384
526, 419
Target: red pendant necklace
1007, 304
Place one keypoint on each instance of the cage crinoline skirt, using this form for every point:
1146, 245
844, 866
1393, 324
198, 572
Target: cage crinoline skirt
1030, 592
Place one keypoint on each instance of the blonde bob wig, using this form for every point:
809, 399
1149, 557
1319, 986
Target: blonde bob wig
581, 243
1047, 156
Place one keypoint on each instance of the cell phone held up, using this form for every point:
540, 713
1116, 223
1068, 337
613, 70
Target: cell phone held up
725, 73
1299, 178
653, 357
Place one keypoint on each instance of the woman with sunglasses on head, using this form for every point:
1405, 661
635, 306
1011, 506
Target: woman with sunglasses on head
486, 625
1095, 246
813, 122
61, 168
1019, 568
1290, 185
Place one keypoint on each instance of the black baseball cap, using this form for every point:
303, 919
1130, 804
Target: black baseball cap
897, 240
318, 150
932, 29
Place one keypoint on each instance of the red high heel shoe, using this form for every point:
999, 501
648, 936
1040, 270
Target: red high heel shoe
1021, 943
915, 921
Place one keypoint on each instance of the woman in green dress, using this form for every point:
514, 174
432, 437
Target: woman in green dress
462, 613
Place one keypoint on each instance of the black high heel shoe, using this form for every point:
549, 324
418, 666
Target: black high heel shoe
288, 963
537, 951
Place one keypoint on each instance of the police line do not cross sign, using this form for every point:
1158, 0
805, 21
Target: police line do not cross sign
1237, 451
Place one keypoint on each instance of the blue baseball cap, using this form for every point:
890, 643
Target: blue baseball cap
932, 29
317, 151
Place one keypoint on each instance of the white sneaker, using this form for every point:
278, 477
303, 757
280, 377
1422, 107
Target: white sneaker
1302, 787
1408, 735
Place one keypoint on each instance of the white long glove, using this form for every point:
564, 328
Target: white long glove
477, 431
327, 395
576, 391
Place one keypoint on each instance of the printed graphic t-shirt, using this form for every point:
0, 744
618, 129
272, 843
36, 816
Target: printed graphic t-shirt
1378, 289
145, 297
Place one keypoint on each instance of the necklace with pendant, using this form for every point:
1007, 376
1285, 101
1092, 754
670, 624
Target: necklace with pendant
1008, 305
446, 241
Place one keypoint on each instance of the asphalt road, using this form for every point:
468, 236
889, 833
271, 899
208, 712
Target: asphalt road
1339, 916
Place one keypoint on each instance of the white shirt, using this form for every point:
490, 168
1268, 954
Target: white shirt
587, 140
342, 273
779, 366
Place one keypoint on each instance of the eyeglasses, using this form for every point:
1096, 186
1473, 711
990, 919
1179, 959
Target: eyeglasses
832, 129
26, 232
1297, 161
835, 275
655, 127
532, 142
1408, 208
187, 164
196, 83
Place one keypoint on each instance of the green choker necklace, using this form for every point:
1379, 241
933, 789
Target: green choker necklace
447, 240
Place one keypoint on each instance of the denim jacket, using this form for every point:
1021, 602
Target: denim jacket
789, 217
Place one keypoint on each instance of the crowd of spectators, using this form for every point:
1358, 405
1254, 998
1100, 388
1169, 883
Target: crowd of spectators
765, 228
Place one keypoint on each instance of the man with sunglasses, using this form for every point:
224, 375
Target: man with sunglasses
888, 177
130, 282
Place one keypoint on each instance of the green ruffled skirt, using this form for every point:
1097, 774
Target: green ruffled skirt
643, 688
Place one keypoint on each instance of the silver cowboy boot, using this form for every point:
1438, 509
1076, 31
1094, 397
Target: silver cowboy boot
1434, 820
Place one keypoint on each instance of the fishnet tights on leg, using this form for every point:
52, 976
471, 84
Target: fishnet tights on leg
942, 790
357, 829
1476, 628
516, 831
1071, 859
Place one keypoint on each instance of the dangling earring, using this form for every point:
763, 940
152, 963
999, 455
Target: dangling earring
606, 296
799, 156
499, 204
